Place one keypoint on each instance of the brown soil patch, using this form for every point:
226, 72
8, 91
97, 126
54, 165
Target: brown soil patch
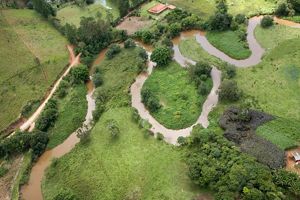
290, 163
133, 24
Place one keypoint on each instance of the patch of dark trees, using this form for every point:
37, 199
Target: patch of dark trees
240, 125
217, 164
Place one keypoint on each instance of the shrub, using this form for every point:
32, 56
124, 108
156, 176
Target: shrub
79, 74
181, 140
295, 4
161, 55
229, 91
38, 143
100, 108
62, 90
230, 71
97, 79
160, 136
90, 1
266, 21
143, 54
240, 18
198, 71
220, 22
203, 88
147, 36
129, 43
113, 50
48, 116
150, 100
113, 128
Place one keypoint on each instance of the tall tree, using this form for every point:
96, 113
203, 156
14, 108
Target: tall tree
123, 6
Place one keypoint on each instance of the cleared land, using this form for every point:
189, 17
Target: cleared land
33, 54
72, 13
71, 111
230, 43
131, 165
181, 104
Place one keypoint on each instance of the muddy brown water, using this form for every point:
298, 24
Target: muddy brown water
32, 190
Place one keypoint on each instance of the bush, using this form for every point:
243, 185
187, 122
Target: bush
240, 18
97, 79
100, 108
113, 50
295, 4
174, 29
113, 128
129, 43
198, 71
203, 89
62, 89
161, 55
230, 71
266, 21
160, 136
79, 74
229, 91
48, 116
150, 100
38, 143
90, 2
147, 36
142, 54
181, 140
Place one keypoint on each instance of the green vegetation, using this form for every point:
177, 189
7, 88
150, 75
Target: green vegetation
146, 14
143, 170
190, 48
71, 111
71, 14
37, 53
277, 76
181, 104
230, 43
22, 176
282, 132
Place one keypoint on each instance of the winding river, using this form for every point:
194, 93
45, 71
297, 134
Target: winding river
32, 191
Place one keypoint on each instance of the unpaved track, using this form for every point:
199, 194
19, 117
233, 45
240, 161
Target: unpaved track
29, 124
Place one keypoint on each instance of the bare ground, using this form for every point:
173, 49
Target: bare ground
133, 24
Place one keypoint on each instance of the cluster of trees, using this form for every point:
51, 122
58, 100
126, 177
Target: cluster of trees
22, 142
48, 116
125, 6
288, 8
113, 128
150, 100
217, 164
176, 21
199, 74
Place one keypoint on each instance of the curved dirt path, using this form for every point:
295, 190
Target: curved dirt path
170, 135
29, 124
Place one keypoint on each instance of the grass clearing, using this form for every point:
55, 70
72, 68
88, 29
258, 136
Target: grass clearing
130, 164
72, 13
282, 132
229, 43
145, 14
71, 111
271, 37
115, 169
190, 48
25, 36
181, 103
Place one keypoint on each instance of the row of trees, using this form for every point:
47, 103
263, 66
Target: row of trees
216, 164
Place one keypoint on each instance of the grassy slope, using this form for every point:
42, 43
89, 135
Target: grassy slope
206, 8
71, 14
181, 104
113, 169
230, 44
72, 110
23, 34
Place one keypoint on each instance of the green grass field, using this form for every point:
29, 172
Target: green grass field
116, 169
190, 48
71, 111
230, 44
130, 165
282, 132
145, 14
206, 8
181, 104
25, 36
72, 13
